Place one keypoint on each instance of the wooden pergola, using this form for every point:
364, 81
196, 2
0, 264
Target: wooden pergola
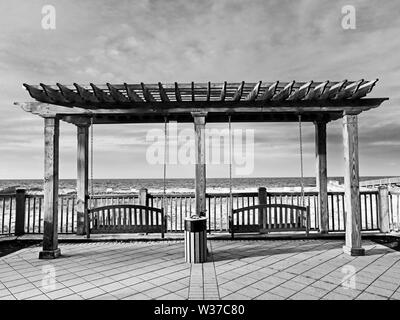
316, 102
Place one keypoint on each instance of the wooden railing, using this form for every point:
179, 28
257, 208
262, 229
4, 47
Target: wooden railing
7, 211
177, 206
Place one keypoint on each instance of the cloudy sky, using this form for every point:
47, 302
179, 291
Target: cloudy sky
232, 40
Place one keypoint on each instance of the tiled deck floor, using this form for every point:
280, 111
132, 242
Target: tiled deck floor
294, 269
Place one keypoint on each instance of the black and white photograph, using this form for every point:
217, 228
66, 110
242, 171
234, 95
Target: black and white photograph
197, 155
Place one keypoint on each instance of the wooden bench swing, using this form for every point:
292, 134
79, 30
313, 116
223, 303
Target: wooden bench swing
126, 218
272, 217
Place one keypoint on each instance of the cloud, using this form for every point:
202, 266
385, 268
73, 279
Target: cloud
147, 40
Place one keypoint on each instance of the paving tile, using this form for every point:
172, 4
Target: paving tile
123, 293
59, 293
106, 296
392, 286
395, 296
28, 294
112, 287
21, 288
91, 293
137, 296
379, 291
350, 292
303, 296
236, 296
171, 296
39, 297
370, 296
283, 292
316, 292
267, 296
324, 285
82, 287
336, 296
250, 292
71, 297
4, 292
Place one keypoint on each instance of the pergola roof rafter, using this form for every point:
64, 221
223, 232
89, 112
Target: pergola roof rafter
250, 101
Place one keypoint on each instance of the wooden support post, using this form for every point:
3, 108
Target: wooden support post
262, 199
384, 222
200, 147
19, 212
82, 181
143, 197
352, 189
321, 175
51, 150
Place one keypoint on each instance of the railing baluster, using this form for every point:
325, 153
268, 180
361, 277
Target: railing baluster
10, 216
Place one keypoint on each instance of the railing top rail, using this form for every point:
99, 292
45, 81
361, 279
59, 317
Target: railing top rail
7, 195
125, 206
113, 195
192, 194
275, 205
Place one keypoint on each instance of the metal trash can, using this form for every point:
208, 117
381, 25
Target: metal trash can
196, 239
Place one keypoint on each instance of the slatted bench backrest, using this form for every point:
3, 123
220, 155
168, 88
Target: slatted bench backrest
271, 217
127, 218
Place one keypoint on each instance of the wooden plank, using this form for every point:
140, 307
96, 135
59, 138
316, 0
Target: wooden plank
223, 92
254, 93
352, 192
364, 89
54, 94
163, 94
82, 181
132, 95
284, 93
317, 92
147, 94
301, 92
349, 90
333, 90
238, 93
193, 92
38, 94
200, 166
70, 95
321, 174
269, 92
86, 95
257, 107
177, 93
117, 95
101, 95
50, 233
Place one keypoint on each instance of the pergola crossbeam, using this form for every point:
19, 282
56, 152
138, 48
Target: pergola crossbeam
117, 95
254, 93
86, 95
284, 93
133, 96
252, 101
238, 93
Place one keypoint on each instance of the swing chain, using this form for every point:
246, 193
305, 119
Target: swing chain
91, 161
301, 162
165, 164
230, 167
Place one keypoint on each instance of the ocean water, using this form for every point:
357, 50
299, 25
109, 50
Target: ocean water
221, 185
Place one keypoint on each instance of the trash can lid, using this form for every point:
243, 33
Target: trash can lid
195, 217
195, 224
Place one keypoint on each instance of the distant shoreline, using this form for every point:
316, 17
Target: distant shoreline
180, 185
